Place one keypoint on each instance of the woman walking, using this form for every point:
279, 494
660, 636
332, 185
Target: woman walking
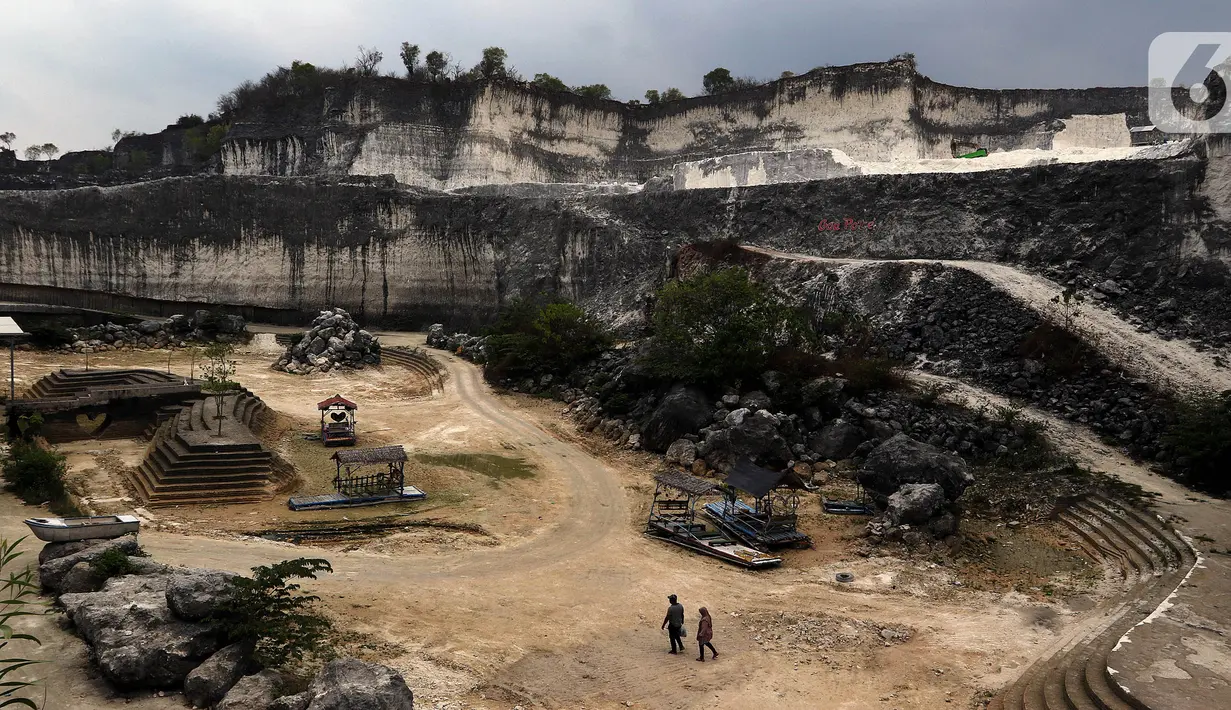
705, 632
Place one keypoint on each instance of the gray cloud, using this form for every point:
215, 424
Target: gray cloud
74, 70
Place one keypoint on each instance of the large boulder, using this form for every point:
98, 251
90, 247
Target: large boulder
56, 550
137, 641
254, 692
81, 578
209, 682
754, 436
684, 410
52, 572
837, 440
351, 684
902, 460
298, 701
682, 452
195, 594
915, 503
822, 391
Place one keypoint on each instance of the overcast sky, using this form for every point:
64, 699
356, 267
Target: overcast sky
71, 71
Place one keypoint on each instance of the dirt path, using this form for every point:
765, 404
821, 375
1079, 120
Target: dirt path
567, 616
1172, 362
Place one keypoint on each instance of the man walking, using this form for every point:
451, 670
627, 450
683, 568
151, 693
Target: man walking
673, 622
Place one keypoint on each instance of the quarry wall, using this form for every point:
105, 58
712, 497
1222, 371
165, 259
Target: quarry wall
455, 135
284, 248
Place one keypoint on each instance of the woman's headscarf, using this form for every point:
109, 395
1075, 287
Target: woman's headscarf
705, 612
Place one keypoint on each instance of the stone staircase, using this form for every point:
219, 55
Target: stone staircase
75, 383
1151, 561
419, 362
187, 462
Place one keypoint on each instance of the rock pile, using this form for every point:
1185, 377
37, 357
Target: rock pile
916, 485
153, 630
177, 331
468, 346
335, 341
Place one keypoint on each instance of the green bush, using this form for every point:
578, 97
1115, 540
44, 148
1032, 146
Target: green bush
274, 615
719, 327
532, 337
1201, 433
35, 474
112, 563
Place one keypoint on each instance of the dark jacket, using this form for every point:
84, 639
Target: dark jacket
705, 629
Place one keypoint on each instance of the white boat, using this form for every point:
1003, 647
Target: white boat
95, 527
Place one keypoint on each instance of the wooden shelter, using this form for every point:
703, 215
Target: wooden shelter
337, 421
673, 518
388, 481
770, 520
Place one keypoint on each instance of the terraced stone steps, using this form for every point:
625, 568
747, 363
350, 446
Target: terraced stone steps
68, 383
1151, 560
187, 463
418, 361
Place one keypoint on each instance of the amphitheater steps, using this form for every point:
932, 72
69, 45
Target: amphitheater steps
1151, 561
417, 361
187, 464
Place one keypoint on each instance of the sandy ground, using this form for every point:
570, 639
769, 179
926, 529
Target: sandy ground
556, 603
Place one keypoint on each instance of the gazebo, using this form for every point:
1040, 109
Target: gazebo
771, 519
673, 518
337, 421
389, 481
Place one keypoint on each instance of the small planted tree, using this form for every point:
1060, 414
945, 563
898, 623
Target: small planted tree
274, 614
18, 598
217, 370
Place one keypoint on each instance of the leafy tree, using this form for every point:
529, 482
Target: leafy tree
436, 63
50, 150
35, 474
673, 94
593, 91
786, 74
549, 82
719, 327
218, 369
368, 61
533, 337
491, 66
303, 71
718, 81
273, 614
652, 97
33, 152
410, 57
19, 592
205, 143
189, 120
1202, 434
7, 139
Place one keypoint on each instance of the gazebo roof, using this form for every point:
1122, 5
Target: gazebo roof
759, 481
380, 454
337, 401
684, 482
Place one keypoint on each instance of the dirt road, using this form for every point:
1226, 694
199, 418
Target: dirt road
1172, 363
568, 615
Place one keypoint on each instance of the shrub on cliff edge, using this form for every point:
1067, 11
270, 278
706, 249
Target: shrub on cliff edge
533, 337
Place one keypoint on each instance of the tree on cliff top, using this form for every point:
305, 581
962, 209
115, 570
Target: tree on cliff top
436, 62
492, 66
410, 58
33, 152
7, 139
720, 81
49, 150
653, 96
593, 91
189, 120
549, 82
368, 61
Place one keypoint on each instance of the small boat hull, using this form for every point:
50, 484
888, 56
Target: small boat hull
99, 527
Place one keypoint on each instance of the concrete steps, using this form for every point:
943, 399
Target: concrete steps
68, 383
1150, 561
418, 361
187, 463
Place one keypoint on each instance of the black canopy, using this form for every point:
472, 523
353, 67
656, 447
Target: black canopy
758, 481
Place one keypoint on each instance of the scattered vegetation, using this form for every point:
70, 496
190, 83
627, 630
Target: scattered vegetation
114, 562
206, 141
720, 81
653, 96
593, 91
7, 139
19, 592
542, 336
274, 614
720, 327
217, 370
36, 475
549, 82
491, 465
189, 120
1201, 439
